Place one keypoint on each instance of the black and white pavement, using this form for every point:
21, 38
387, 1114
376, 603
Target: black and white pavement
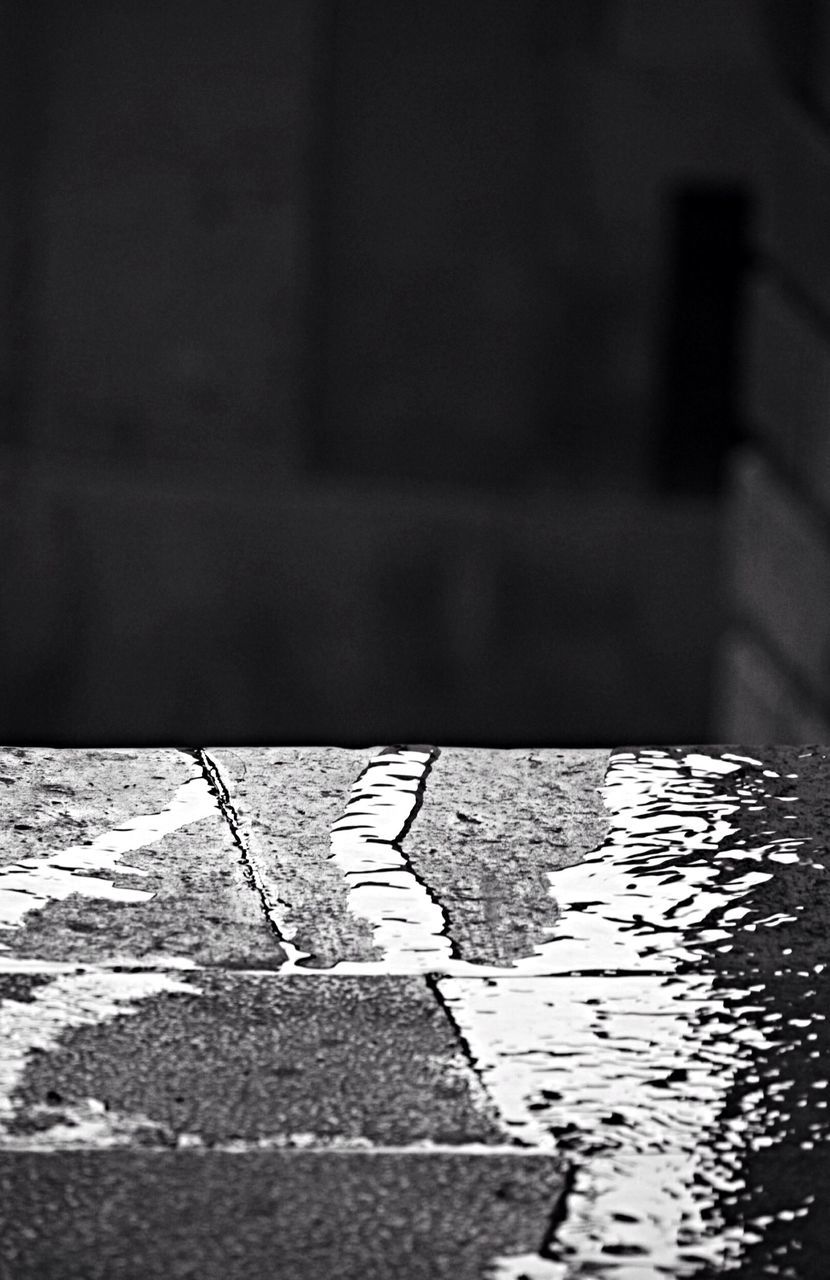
408, 1012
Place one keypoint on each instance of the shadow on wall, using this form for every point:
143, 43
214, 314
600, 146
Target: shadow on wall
336, 338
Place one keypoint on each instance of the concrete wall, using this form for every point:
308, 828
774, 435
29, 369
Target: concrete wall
333, 340
173, 232
775, 661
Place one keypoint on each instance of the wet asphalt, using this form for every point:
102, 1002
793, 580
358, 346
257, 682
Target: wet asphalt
304, 1215
237, 1057
226, 1119
244, 1122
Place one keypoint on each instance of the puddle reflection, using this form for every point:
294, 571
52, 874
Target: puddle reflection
662, 1037
674, 1077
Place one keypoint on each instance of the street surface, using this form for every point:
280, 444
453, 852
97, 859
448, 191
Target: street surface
406, 1012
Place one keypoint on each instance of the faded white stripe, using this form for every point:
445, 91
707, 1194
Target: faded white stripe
408, 924
31, 883
634, 1070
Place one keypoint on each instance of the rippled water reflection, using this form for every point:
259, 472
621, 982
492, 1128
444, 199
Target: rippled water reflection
668, 1037
681, 1046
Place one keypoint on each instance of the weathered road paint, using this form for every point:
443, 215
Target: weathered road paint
494, 823
238, 1062
616, 1040
638, 1038
69, 827
493, 827
406, 919
150, 961
31, 883
633, 1071
68, 1001
410, 926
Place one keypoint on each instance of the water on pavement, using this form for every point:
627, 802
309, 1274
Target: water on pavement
672, 1049
669, 1036
649, 1036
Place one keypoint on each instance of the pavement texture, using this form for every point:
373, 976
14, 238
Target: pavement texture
234, 1057
285, 802
233, 1045
495, 823
200, 907
304, 1215
173, 1105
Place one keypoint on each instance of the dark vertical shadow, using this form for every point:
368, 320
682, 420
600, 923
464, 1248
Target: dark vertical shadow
697, 412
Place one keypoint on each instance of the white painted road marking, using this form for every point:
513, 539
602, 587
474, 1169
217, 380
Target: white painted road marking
631, 1073
654, 1051
628, 1070
409, 924
31, 883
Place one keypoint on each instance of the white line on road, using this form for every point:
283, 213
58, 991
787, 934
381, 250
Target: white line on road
409, 924
152, 960
599, 1058
631, 1073
634, 1065
31, 883
630, 1070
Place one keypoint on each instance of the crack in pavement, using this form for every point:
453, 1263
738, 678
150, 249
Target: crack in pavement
617, 1045
273, 907
384, 888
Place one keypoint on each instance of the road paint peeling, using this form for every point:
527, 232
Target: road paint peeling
153, 960
632, 1071
71, 1000
525, 1266
411, 926
31, 883
661, 884
90, 1124
619, 1043
79, 1126
614, 1042
407, 920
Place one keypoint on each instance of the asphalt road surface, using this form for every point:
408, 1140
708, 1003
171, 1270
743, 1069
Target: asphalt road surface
408, 1012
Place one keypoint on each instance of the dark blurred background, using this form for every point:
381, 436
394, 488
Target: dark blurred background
440, 371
